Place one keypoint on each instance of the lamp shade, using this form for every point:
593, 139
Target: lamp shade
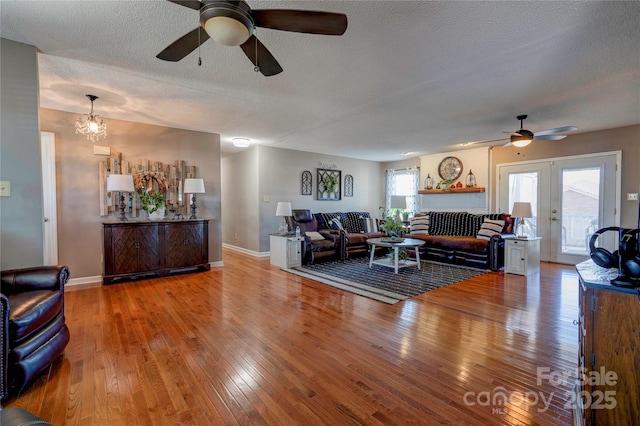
521, 209
283, 209
398, 202
193, 186
120, 183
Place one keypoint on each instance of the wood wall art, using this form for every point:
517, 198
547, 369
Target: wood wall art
329, 185
174, 175
306, 183
348, 186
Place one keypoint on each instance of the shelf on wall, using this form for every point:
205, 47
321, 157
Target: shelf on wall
451, 191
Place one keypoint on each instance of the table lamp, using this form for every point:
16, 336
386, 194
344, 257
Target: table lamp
399, 204
284, 210
122, 184
193, 186
521, 210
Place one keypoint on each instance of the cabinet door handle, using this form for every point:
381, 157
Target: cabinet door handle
186, 242
137, 245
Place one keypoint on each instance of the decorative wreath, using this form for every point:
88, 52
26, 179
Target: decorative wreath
143, 181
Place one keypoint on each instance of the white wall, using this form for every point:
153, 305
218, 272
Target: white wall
476, 160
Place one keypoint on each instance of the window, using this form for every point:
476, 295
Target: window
403, 182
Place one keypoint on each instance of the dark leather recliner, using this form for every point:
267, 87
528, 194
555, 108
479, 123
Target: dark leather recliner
33, 329
314, 250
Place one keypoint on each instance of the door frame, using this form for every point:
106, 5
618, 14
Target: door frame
545, 251
49, 202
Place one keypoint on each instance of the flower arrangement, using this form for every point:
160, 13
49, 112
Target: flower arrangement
444, 184
330, 183
152, 200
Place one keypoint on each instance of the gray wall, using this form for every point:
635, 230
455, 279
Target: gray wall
276, 174
21, 214
79, 222
626, 139
240, 179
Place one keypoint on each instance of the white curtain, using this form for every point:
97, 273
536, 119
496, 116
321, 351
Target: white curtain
403, 182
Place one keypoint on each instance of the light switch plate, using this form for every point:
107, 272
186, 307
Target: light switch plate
5, 188
266, 198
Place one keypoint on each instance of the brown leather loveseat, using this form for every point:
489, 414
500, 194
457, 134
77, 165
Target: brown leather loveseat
319, 243
33, 329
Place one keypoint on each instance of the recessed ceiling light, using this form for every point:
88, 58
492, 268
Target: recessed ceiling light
241, 142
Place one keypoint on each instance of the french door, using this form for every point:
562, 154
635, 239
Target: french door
571, 197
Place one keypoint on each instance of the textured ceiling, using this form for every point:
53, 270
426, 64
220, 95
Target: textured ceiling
414, 76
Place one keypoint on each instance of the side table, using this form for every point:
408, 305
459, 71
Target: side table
522, 255
285, 250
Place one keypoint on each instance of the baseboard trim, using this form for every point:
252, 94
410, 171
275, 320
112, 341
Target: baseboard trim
84, 280
98, 278
246, 251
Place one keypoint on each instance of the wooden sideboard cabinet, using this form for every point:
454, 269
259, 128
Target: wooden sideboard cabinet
135, 248
609, 343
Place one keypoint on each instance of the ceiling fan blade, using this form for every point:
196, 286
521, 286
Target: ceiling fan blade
556, 130
301, 21
265, 61
511, 133
487, 141
183, 46
549, 137
191, 4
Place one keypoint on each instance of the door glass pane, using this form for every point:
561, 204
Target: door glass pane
523, 187
580, 208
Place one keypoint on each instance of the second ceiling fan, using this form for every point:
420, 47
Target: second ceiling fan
232, 23
524, 137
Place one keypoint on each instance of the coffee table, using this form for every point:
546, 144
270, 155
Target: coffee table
393, 262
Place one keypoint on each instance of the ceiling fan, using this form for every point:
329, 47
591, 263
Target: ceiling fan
524, 137
232, 23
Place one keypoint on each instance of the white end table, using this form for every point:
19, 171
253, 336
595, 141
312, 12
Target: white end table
522, 255
285, 250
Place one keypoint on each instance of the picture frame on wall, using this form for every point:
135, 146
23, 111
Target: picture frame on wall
329, 185
348, 186
306, 183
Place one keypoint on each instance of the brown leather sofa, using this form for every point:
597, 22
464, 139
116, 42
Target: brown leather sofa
354, 235
350, 239
452, 237
314, 249
33, 329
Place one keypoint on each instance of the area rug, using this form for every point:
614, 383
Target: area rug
381, 283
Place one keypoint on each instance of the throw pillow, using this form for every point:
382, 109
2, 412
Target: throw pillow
336, 224
314, 235
490, 228
353, 223
419, 225
370, 225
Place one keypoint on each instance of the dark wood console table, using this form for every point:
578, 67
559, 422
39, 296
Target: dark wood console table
609, 342
134, 248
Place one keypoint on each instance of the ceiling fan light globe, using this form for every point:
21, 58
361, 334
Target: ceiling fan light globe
227, 31
520, 142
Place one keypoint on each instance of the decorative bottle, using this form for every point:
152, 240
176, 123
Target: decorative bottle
297, 232
428, 182
471, 180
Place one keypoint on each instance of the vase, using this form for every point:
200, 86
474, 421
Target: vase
158, 214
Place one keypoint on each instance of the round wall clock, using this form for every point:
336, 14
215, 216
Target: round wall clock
450, 168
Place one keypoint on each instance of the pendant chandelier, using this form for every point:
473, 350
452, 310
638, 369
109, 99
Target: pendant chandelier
91, 124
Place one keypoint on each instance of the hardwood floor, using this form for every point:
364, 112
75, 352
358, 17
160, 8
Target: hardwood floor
250, 344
